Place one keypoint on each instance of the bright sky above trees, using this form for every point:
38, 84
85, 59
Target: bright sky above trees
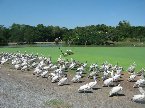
72, 13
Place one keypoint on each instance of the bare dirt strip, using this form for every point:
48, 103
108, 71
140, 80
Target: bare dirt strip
23, 90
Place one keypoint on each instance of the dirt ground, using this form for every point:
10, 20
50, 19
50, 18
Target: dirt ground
23, 90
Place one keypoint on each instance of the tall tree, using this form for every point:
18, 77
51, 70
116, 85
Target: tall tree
17, 33
30, 34
3, 35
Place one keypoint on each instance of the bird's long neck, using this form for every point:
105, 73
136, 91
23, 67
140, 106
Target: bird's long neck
95, 79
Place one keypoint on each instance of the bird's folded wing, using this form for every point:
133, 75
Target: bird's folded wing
141, 90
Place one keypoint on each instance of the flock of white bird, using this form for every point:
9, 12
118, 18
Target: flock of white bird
44, 67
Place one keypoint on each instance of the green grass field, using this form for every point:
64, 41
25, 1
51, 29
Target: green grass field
124, 56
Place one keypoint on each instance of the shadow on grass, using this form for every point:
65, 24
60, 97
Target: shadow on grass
79, 82
82, 76
140, 102
120, 80
85, 92
132, 81
139, 86
109, 85
67, 84
96, 88
117, 95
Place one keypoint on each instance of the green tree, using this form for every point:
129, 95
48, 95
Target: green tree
122, 30
17, 33
3, 35
30, 34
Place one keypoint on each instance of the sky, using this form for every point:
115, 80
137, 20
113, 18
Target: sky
72, 13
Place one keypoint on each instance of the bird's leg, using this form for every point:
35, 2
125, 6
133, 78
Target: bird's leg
134, 85
138, 85
116, 94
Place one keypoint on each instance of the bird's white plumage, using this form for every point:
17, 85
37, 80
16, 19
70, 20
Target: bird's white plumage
76, 78
141, 90
116, 77
108, 81
139, 82
115, 90
132, 77
62, 81
44, 73
55, 78
139, 97
88, 86
84, 88
92, 84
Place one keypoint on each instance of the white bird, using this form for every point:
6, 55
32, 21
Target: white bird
131, 69
17, 66
93, 73
139, 97
92, 84
139, 82
14, 61
76, 78
84, 88
34, 64
24, 63
3, 60
72, 65
55, 78
63, 81
132, 77
108, 82
52, 75
53, 68
81, 68
93, 67
106, 73
112, 73
43, 74
115, 90
116, 77
141, 72
88, 86
85, 64
25, 67
46, 67
37, 70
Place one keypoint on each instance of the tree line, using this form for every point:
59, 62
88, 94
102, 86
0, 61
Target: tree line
100, 34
